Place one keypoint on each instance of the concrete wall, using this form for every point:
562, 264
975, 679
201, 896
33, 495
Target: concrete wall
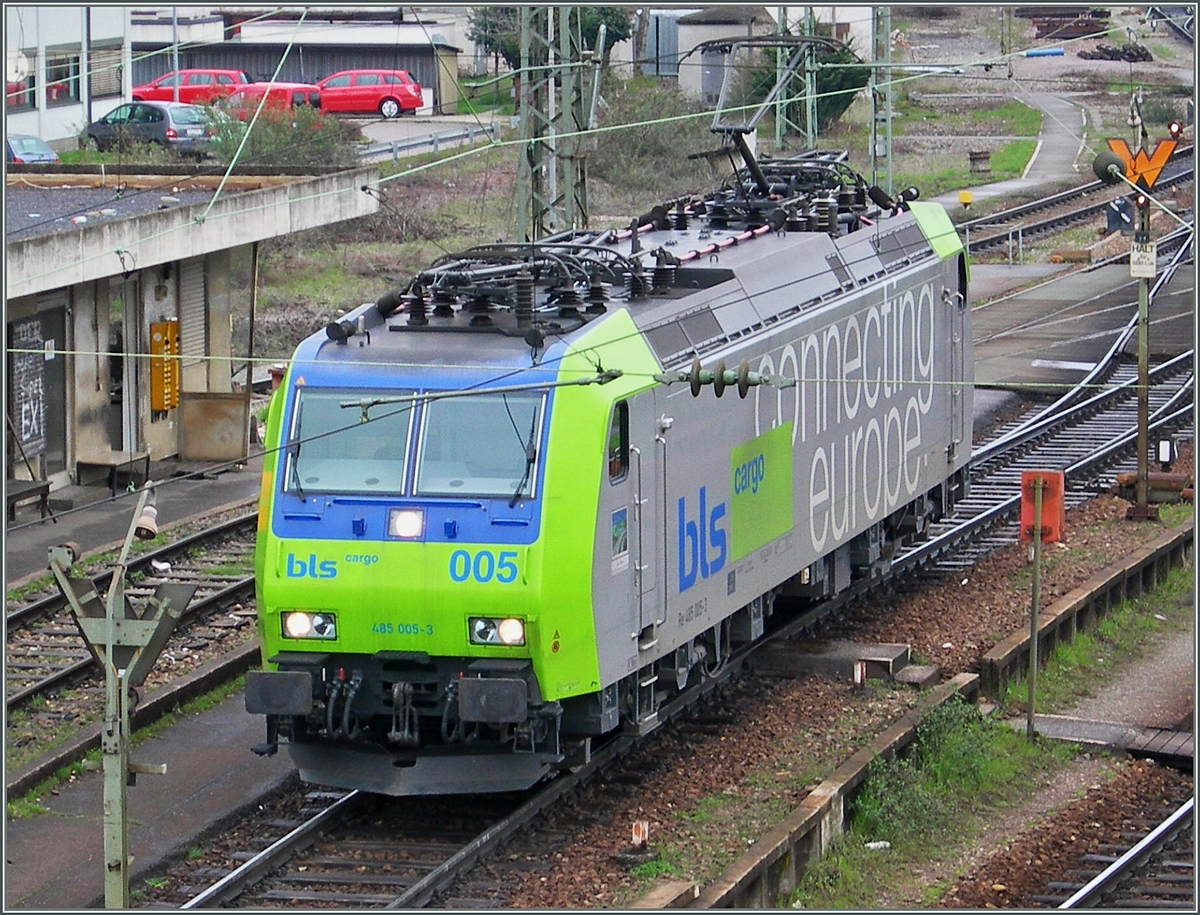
83, 261
89, 253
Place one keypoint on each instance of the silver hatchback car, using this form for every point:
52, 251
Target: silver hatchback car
174, 125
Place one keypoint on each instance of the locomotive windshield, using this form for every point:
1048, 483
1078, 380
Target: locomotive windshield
483, 445
332, 450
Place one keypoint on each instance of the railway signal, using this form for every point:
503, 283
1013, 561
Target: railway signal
1141, 171
126, 641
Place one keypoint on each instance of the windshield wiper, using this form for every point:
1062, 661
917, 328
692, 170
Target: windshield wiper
530, 457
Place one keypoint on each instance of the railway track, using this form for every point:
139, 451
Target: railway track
345, 852
1151, 870
359, 850
1015, 226
45, 652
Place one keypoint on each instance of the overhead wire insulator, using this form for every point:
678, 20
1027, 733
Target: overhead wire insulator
524, 299
414, 305
479, 307
597, 297
568, 303
443, 303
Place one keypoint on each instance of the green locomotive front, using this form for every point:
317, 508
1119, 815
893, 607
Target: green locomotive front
423, 561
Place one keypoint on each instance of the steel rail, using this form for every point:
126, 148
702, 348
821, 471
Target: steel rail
235, 882
65, 675
1090, 894
139, 563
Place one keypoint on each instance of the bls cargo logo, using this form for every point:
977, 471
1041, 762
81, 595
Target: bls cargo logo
698, 538
309, 568
298, 567
760, 508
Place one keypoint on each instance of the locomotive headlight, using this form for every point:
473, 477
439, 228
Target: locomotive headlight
304, 624
491, 631
406, 523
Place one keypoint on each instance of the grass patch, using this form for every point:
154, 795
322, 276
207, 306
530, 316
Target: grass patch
960, 767
1125, 634
1013, 118
490, 96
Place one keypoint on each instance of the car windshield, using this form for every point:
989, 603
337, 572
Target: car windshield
332, 450
187, 115
483, 445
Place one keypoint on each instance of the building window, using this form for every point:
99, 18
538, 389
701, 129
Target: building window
20, 94
62, 78
105, 69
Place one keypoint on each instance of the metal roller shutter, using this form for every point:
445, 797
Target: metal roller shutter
193, 314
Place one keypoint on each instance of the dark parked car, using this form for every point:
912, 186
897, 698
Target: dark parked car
389, 92
22, 148
196, 87
183, 128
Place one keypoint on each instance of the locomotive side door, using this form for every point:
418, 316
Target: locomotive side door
630, 506
962, 400
644, 499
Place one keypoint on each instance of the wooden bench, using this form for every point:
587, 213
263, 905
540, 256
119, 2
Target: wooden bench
21, 490
114, 461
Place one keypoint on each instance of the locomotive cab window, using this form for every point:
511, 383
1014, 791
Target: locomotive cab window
618, 443
332, 450
484, 445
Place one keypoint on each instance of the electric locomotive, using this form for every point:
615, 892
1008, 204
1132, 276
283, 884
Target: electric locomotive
516, 505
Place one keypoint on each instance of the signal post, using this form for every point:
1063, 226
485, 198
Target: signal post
1140, 171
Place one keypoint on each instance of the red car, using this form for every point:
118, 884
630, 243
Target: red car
196, 87
389, 92
280, 96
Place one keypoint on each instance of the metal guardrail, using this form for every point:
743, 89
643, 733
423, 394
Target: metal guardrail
470, 133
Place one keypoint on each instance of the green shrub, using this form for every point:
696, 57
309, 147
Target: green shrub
299, 136
650, 153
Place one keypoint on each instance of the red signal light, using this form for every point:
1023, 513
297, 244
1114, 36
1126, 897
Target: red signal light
1175, 128
1141, 201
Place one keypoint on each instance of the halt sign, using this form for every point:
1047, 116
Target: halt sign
1143, 260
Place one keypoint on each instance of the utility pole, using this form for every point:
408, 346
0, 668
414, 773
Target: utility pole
881, 94
175, 49
552, 170
783, 123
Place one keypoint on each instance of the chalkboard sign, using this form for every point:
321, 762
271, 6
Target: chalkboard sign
28, 399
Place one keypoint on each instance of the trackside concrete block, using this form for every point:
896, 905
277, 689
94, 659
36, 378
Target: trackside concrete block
674, 894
